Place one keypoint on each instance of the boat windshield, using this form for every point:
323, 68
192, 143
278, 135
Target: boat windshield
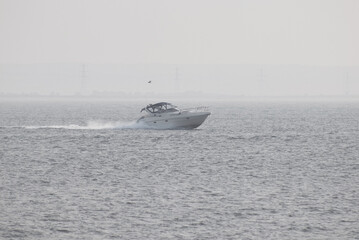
160, 108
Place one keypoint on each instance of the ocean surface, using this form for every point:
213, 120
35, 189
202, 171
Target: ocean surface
253, 170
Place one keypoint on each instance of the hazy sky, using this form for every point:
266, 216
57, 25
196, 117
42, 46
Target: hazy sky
304, 32
237, 47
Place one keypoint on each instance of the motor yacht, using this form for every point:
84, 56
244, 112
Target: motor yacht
164, 115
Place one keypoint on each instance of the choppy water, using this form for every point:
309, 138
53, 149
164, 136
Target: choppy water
252, 171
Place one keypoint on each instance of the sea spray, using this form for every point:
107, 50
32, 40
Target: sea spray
93, 125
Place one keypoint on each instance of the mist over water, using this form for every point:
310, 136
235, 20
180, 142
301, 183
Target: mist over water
179, 80
253, 170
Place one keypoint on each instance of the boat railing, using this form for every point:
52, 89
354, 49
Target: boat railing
196, 109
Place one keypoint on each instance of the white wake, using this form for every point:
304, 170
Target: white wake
94, 125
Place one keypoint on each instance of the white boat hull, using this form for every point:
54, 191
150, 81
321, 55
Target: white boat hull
183, 120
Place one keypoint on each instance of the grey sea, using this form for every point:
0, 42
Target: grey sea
253, 170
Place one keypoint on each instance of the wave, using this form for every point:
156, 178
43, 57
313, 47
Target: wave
91, 125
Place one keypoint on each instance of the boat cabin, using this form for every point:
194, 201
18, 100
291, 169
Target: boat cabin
160, 107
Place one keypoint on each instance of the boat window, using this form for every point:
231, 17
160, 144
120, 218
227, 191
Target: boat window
161, 107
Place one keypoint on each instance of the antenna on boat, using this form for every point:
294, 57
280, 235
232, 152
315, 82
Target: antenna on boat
176, 81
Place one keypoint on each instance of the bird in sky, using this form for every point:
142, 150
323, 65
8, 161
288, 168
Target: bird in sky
149, 81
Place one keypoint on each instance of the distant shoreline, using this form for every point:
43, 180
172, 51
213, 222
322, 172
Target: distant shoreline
180, 97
